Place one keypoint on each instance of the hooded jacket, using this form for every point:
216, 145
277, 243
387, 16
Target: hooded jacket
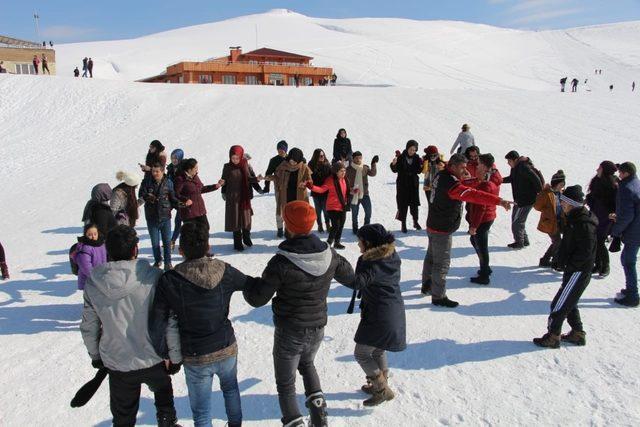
198, 293
525, 182
382, 319
547, 204
602, 201
627, 225
98, 211
88, 255
115, 318
300, 275
578, 247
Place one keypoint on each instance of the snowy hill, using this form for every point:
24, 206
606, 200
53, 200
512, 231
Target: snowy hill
384, 51
471, 366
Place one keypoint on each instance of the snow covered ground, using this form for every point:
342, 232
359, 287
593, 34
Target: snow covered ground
474, 365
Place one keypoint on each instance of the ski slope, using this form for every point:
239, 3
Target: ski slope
384, 51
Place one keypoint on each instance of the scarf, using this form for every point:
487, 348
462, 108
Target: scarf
358, 183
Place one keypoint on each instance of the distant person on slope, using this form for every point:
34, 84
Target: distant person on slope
445, 215
358, 177
98, 209
115, 331
551, 217
189, 190
563, 82
574, 85
45, 64
320, 171
36, 63
4, 269
576, 257
342, 151
85, 68
601, 199
407, 165
90, 253
382, 325
633, 87
90, 67
124, 203
526, 182
282, 147
173, 169
76, 72
299, 275
464, 140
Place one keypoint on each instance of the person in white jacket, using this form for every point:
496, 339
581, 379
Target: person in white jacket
465, 140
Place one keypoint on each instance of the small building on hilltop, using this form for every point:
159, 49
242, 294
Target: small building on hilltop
259, 67
17, 56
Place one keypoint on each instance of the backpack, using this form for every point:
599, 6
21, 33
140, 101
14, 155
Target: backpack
72, 253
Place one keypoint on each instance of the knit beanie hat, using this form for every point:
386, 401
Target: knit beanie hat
296, 155
432, 149
573, 195
512, 155
627, 167
557, 178
299, 217
129, 178
412, 143
336, 167
375, 234
282, 145
608, 168
178, 153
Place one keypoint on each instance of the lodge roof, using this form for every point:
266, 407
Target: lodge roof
265, 51
11, 42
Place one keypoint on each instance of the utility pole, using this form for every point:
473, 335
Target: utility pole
256, 36
36, 17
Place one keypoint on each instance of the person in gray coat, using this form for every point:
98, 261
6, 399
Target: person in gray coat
465, 140
114, 328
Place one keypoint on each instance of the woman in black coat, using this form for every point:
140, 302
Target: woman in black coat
320, 171
342, 151
601, 199
382, 324
408, 166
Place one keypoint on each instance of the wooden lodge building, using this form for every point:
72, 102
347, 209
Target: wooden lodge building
259, 67
17, 55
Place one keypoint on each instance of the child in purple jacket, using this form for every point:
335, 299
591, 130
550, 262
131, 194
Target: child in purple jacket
90, 252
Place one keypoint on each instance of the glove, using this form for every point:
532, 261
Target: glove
174, 368
97, 364
375, 159
615, 245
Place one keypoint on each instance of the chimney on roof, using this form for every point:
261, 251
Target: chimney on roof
236, 51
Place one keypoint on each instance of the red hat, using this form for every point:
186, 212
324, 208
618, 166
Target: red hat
299, 217
432, 149
236, 150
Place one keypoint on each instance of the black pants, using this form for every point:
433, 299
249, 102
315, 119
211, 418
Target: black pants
480, 243
552, 252
2, 257
198, 220
124, 391
402, 212
337, 224
295, 350
565, 303
602, 255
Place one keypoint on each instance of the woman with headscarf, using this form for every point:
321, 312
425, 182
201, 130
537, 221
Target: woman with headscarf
172, 170
408, 165
155, 155
320, 171
98, 211
601, 199
124, 203
237, 192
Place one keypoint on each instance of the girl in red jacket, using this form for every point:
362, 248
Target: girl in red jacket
481, 218
338, 190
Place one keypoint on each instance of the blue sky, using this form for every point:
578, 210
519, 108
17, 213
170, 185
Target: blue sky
73, 20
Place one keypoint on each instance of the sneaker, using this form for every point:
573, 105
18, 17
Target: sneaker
480, 280
627, 301
623, 291
603, 274
416, 225
444, 302
298, 422
426, 288
575, 337
404, 228
548, 340
516, 245
545, 263
338, 246
157, 264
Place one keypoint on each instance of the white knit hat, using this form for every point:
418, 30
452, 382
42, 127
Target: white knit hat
129, 178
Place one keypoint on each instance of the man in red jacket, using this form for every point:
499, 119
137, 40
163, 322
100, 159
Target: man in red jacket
445, 214
481, 218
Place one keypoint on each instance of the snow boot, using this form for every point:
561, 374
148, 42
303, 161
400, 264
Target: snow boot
416, 225
166, 421
627, 301
381, 391
404, 227
5, 270
444, 302
516, 245
481, 279
368, 387
246, 238
317, 410
298, 422
575, 337
544, 262
280, 232
426, 287
548, 340
237, 241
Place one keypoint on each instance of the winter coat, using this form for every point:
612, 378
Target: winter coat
602, 202
407, 181
319, 174
172, 172
578, 247
479, 213
187, 188
430, 170
463, 141
286, 186
525, 182
102, 216
300, 275
627, 225
271, 169
159, 199
119, 204
115, 317
333, 199
89, 254
342, 149
382, 317
237, 218
366, 173
198, 293
447, 195
547, 204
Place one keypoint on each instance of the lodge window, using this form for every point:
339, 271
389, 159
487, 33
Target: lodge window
180, 79
229, 80
306, 81
251, 80
205, 78
292, 81
253, 62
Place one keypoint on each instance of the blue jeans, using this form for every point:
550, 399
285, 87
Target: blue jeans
629, 257
157, 230
199, 379
366, 205
177, 225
